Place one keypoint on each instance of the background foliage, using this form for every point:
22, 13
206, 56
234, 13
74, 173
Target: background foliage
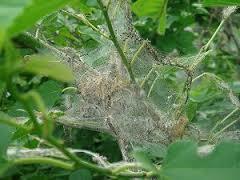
177, 27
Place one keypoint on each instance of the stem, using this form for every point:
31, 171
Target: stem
223, 129
138, 174
138, 52
126, 167
44, 160
147, 77
79, 162
205, 48
115, 41
200, 76
125, 47
224, 119
187, 87
82, 18
153, 84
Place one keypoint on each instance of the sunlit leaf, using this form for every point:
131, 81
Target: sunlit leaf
49, 67
144, 159
221, 2
16, 16
183, 162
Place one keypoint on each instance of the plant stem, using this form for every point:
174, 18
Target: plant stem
82, 18
223, 129
199, 76
138, 52
115, 41
147, 77
188, 83
223, 120
79, 162
138, 174
205, 48
54, 142
126, 167
153, 84
44, 160
103, 170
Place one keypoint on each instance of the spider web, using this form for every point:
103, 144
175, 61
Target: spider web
105, 99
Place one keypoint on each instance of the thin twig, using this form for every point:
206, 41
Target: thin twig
205, 47
44, 160
138, 52
223, 129
188, 83
153, 84
147, 77
83, 19
115, 41
224, 119
79, 162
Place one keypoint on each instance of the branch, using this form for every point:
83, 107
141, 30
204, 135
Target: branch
115, 41
83, 19
44, 160
15, 152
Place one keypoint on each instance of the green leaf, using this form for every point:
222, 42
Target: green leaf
221, 2
204, 91
16, 16
154, 150
162, 21
155, 9
6, 133
191, 110
50, 67
5, 138
9, 10
4, 166
183, 162
50, 92
142, 157
80, 174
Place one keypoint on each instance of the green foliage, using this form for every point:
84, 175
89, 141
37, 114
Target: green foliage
50, 92
221, 2
81, 174
50, 67
5, 139
155, 9
180, 24
183, 162
144, 159
17, 16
